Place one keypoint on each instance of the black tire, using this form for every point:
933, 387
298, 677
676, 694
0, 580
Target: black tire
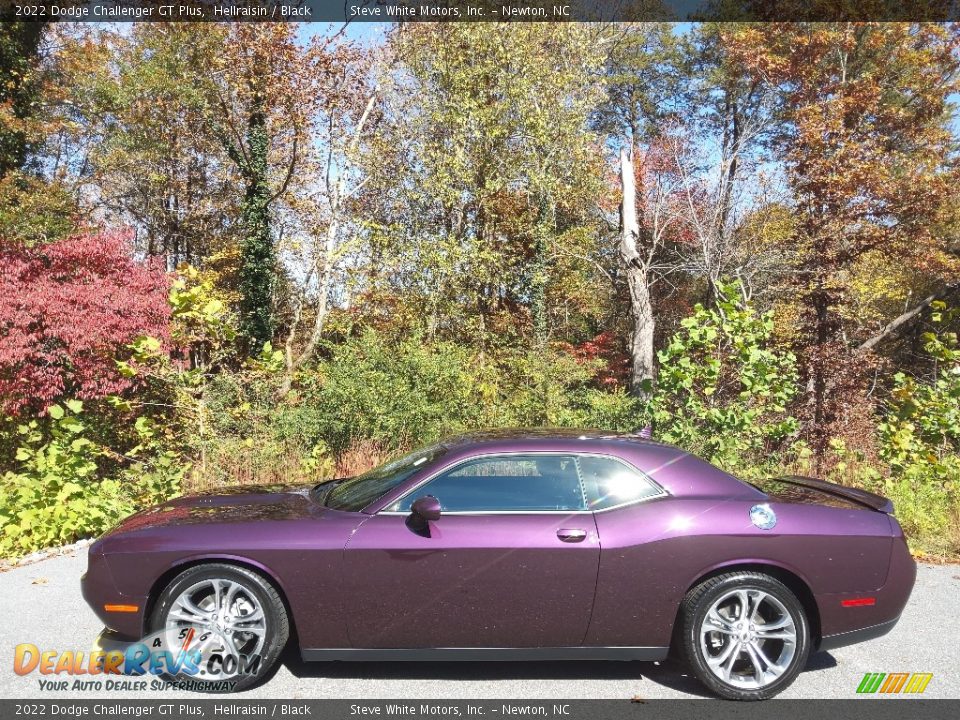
277, 626
693, 612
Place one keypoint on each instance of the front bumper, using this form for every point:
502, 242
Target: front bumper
99, 590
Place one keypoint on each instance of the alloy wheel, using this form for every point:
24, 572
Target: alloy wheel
226, 617
748, 639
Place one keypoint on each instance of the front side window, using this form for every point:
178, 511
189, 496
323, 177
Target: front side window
517, 483
608, 483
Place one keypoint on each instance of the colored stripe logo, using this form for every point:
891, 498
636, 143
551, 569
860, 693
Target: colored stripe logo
894, 683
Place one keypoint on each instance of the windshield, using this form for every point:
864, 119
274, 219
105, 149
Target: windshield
356, 493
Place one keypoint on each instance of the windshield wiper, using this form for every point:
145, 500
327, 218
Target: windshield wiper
321, 491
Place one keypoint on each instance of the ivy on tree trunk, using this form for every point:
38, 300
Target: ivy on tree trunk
538, 277
257, 253
19, 50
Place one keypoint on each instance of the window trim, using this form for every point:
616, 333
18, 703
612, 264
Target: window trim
661, 492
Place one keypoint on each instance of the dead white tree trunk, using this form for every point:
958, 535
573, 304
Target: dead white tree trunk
636, 261
325, 261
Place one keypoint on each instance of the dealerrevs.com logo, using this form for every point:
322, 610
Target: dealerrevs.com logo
894, 683
185, 658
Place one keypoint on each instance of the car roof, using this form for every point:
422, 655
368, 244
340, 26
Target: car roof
581, 438
680, 472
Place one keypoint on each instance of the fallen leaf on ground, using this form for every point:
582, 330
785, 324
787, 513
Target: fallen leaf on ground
40, 581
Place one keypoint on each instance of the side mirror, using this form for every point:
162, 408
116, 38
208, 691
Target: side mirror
426, 508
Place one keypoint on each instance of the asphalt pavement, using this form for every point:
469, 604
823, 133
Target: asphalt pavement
42, 605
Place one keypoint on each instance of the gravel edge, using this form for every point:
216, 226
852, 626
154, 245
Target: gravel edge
44, 554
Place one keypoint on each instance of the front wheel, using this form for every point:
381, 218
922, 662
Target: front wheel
231, 619
744, 635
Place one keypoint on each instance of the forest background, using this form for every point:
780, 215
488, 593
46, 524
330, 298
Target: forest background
277, 253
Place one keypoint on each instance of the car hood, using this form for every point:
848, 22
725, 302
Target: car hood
226, 505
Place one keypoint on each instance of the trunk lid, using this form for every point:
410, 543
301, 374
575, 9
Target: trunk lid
812, 491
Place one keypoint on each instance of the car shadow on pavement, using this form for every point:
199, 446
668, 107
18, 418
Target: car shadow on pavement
670, 673
667, 673
820, 661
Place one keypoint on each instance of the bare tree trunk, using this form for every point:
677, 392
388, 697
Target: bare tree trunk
326, 262
894, 325
323, 295
638, 278
641, 338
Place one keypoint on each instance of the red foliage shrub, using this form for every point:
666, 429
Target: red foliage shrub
66, 311
607, 348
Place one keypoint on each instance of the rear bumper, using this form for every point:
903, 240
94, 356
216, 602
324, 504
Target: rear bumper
842, 625
832, 642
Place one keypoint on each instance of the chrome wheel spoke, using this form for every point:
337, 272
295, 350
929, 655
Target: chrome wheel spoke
217, 594
728, 665
229, 596
256, 627
249, 617
762, 656
785, 635
715, 623
782, 622
206, 645
188, 611
257, 630
723, 663
182, 617
194, 608
231, 645
743, 597
759, 668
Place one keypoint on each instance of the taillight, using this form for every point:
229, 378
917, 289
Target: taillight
858, 602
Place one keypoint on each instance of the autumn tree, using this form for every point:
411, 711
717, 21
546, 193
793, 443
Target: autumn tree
726, 117
326, 210
144, 96
207, 133
868, 154
34, 205
653, 219
484, 177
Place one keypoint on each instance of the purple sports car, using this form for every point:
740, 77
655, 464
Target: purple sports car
519, 545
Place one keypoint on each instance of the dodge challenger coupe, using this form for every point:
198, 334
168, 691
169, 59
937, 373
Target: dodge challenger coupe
519, 545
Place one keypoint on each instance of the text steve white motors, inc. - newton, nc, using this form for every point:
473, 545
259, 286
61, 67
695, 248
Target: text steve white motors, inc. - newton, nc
479, 11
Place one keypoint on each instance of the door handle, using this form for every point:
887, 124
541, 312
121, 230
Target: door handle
571, 534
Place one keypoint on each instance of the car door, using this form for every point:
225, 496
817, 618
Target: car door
511, 562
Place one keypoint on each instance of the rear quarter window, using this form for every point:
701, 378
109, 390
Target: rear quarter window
608, 483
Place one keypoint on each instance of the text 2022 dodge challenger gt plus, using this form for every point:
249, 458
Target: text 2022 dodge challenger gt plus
520, 545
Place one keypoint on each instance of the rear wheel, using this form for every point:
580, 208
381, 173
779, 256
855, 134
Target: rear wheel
232, 616
744, 635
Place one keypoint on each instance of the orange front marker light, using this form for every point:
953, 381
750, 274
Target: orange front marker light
858, 602
121, 608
